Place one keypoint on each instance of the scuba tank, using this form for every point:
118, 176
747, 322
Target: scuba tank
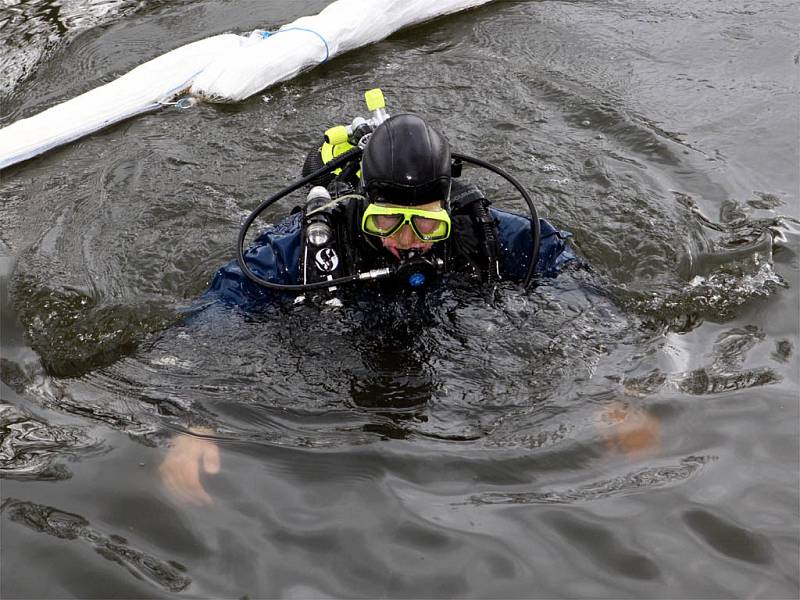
340, 139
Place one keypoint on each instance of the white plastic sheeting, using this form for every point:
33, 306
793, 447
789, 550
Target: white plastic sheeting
223, 68
141, 90
340, 27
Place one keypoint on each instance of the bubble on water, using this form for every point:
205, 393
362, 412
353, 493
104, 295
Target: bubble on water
171, 361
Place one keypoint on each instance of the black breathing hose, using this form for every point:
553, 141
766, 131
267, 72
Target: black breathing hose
334, 164
337, 162
537, 232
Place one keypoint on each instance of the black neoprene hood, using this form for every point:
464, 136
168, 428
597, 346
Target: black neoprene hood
406, 162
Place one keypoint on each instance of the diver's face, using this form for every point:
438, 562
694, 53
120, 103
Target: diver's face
405, 239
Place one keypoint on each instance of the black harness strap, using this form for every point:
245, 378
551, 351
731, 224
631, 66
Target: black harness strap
476, 237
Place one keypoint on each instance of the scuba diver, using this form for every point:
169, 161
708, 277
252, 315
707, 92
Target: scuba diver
387, 209
388, 212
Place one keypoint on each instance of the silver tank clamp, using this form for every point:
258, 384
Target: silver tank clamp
318, 227
321, 261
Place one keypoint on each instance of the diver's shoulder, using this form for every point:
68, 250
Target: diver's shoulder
290, 225
514, 233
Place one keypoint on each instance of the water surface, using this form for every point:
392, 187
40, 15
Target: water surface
630, 430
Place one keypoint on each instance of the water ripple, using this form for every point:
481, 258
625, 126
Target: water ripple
649, 477
31, 29
166, 574
729, 538
33, 449
725, 373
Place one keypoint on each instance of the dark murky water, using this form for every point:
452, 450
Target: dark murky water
627, 432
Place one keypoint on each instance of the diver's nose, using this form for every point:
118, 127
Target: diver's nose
405, 237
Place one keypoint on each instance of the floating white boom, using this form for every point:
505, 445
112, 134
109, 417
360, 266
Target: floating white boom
222, 68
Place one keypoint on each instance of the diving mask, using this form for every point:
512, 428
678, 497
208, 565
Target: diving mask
385, 221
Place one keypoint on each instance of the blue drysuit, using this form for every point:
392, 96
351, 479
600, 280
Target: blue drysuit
275, 256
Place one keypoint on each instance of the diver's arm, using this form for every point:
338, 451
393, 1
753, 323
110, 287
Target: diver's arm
274, 255
514, 241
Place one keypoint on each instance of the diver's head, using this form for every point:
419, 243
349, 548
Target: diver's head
406, 163
406, 171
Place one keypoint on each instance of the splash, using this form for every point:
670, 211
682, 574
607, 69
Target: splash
727, 265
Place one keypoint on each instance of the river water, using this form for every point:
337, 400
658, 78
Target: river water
628, 430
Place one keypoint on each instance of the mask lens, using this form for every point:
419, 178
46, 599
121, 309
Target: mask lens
430, 229
428, 225
382, 224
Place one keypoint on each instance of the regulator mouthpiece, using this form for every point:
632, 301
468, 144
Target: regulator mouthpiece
416, 271
416, 280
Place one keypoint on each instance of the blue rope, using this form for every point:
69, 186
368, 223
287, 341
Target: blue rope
266, 34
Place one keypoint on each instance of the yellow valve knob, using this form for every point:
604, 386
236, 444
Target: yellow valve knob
336, 135
374, 98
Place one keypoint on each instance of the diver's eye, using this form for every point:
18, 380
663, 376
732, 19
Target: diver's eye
386, 222
426, 225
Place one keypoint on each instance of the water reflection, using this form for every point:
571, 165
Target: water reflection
627, 483
601, 544
31, 29
725, 373
727, 537
33, 449
167, 574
